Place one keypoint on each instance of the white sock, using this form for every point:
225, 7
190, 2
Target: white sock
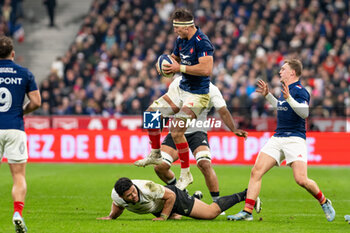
185, 170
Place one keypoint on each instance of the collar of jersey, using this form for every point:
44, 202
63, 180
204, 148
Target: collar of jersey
196, 34
6, 61
294, 84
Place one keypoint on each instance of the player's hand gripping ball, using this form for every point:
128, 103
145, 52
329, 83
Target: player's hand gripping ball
162, 60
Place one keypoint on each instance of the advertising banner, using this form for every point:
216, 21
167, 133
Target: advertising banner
123, 146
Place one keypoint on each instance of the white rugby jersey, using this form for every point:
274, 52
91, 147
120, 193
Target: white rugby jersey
216, 100
150, 195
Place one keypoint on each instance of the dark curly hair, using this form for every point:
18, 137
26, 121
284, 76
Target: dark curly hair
122, 185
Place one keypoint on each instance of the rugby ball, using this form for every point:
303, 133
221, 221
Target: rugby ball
162, 60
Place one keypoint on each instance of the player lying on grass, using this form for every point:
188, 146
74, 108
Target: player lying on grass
147, 197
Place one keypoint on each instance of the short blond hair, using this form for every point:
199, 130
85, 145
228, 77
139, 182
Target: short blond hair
295, 65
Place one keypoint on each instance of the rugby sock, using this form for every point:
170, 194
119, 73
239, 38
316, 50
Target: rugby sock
227, 202
320, 197
184, 154
215, 195
184, 170
249, 205
18, 207
154, 137
172, 181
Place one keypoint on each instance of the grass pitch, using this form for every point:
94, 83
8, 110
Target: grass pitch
68, 198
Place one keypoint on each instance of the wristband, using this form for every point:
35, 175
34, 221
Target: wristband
164, 216
182, 68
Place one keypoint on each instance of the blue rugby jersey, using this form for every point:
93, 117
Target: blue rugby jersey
190, 51
288, 122
15, 82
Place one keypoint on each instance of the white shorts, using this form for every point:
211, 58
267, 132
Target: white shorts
13, 144
196, 102
286, 148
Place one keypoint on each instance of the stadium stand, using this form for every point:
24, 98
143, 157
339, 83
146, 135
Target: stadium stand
10, 12
109, 68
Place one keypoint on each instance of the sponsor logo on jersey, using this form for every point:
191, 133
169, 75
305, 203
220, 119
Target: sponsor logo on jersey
184, 56
280, 108
8, 70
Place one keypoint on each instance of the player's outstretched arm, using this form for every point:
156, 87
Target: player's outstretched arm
116, 211
264, 90
169, 198
34, 102
227, 119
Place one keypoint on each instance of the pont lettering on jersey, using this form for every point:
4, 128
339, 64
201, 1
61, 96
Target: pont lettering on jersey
10, 80
15, 82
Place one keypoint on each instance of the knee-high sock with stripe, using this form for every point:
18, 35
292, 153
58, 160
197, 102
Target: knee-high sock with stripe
154, 137
184, 154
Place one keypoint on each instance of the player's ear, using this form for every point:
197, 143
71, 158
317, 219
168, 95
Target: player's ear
293, 73
13, 55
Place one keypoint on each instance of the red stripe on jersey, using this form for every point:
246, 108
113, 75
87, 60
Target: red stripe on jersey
199, 37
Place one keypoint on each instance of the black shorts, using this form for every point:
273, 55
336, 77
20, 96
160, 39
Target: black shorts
183, 203
194, 140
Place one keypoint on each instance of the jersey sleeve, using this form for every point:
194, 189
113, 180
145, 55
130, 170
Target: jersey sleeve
176, 51
116, 199
205, 48
31, 86
216, 98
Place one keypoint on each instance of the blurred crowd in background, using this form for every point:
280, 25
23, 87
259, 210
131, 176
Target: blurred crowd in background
11, 12
109, 69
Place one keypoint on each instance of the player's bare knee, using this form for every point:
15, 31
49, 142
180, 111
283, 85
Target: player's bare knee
204, 165
214, 211
256, 173
204, 161
301, 181
176, 134
161, 168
